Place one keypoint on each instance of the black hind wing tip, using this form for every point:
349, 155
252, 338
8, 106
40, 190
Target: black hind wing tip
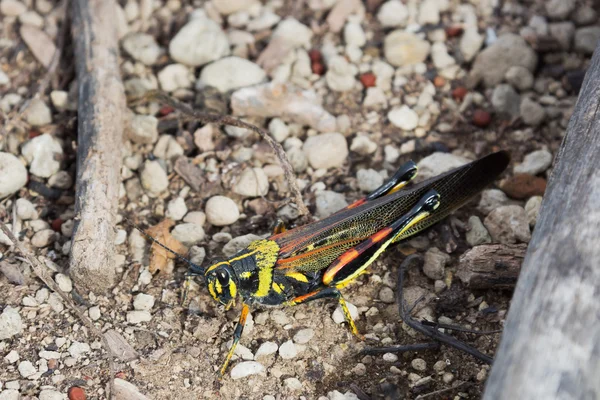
496, 162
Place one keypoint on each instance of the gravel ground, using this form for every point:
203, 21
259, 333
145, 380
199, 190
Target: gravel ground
351, 90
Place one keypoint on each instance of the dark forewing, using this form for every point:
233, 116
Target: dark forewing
311, 247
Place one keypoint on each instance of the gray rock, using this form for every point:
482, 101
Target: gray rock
10, 323
532, 208
585, 15
303, 336
142, 129
435, 261
492, 63
438, 163
329, 202
586, 39
61, 180
392, 14
42, 153
519, 77
195, 217
38, 113
231, 73
78, 349
387, 295
252, 182
404, 48
10, 394
506, 100
492, 199
368, 180
13, 175
419, 364
142, 47
174, 77
477, 234
532, 113
390, 357
197, 254
404, 118
563, 32
12, 357
143, 302
535, 162
239, 243
508, 225
246, 368
154, 178
297, 159
559, 9
221, 211
327, 150
199, 42
94, 313
288, 350
188, 234
25, 209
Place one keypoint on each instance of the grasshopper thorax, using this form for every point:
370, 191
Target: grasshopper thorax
221, 283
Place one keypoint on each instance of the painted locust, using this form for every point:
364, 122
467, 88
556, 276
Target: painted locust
316, 260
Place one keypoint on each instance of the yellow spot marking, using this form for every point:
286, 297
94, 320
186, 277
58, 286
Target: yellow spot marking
232, 289
297, 276
277, 287
215, 266
246, 275
211, 289
267, 252
218, 287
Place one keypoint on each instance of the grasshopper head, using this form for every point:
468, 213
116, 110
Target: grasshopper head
221, 283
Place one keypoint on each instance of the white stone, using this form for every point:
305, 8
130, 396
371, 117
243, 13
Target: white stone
13, 175
154, 178
368, 180
392, 14
375, 98
404, 48
4, 79
221, 211
265, 20
354, 34
293, 383
142, 129
303, 336
231, 73
340, 74
176, 209
439, 55
199, 42
49, 394
252, 182
195, 217
327, 150
361, 144
288, 350
246, 368
26, 369
64, 282
328, 202
429, 12
142, 47
174, 77
25, 209
293, 33
266, 349
43, 238
12, 357
40, 153
279, 129
535, 162
188, 234
136, 317
94, 313
78, 349
143, 302
338, 314
404, 118
438, 163
38, 113
12, 8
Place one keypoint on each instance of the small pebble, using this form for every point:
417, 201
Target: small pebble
78, 349
12, 357
26, 369
38, 113
143, 302
404, 118
508, 224
476, 233
532, 208
266, 349
94, 313
387, 295
25, 209
221, 211
43, 238
535, 163
136, 317
434, 263
252, 182
246, 368
439, 366
288, 350
188, 234
419, 364
318, 150
13, 175
390, 357
154, 178
293, 383
42, 153
176, 209
303, 336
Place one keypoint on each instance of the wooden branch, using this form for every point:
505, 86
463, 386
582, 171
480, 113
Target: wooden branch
100, 126
551, 343
491, 266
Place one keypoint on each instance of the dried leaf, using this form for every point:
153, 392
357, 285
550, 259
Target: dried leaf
159, 257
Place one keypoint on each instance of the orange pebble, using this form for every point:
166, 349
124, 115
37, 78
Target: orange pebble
76, 393
368, 80
482, 118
